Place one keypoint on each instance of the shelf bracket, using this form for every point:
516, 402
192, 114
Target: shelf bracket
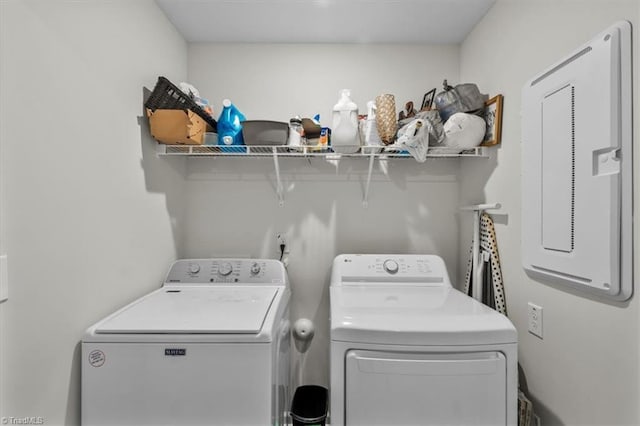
279, 189
365, 200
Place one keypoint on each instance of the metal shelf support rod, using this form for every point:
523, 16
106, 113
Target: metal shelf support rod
365, 201
279, 189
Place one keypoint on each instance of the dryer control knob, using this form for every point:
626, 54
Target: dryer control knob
391, 266
255, 268
194, 268
225, 269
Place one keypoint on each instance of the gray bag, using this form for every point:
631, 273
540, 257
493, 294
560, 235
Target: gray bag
462, 98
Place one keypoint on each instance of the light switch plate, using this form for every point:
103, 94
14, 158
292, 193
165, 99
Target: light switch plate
4, 279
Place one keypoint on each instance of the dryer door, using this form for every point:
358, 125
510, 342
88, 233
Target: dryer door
399, 388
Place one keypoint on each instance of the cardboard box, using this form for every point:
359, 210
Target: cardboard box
177, 126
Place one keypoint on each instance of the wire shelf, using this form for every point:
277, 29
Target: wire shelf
283, 151
276, 152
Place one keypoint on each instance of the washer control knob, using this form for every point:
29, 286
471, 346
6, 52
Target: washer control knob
255, 268
194, 268
225, 269
391, 266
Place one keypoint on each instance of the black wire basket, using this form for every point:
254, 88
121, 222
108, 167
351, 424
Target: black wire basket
167, 96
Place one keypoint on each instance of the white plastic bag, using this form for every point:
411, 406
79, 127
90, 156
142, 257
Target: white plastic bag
414, 137
463, 131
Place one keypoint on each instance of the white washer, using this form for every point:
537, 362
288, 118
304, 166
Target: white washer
209, 347
408, 349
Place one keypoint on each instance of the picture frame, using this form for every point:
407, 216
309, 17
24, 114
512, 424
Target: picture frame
427, 100
493, 117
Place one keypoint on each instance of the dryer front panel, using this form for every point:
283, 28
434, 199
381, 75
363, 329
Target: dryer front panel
398, 388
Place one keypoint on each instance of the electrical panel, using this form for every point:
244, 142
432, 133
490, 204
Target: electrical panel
577, 169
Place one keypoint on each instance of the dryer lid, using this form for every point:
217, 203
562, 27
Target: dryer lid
199, 310
407, 315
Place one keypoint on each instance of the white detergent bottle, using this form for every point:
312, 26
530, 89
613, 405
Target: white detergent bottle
344, 134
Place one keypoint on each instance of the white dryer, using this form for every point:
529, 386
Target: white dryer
408, 349
209, 347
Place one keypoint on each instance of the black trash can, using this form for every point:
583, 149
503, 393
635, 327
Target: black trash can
309, 406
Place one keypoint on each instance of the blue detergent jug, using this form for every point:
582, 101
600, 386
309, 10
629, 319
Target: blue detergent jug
230, 128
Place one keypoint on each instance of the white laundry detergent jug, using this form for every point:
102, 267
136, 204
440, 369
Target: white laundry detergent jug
344, 135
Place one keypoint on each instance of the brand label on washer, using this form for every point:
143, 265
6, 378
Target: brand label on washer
175, 352
96, 358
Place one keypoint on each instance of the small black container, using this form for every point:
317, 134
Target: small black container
309, 406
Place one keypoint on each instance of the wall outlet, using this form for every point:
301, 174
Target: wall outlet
535, 319
283, 248
4, 279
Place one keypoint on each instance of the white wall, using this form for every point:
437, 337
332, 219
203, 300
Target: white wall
83, 191
232, 206
585, 371
279, 81
91, 216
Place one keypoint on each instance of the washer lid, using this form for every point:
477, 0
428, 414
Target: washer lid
204, 310
408, 315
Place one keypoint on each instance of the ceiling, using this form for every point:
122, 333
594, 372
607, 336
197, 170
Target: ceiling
325, 21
